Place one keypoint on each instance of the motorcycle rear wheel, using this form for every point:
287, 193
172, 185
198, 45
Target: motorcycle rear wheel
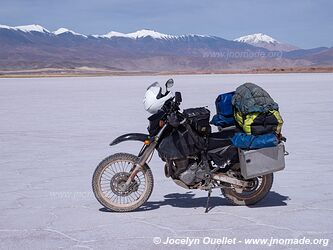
109, 178
263, 186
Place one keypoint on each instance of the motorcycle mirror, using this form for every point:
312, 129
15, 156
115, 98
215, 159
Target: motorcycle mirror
169, 84
178, 97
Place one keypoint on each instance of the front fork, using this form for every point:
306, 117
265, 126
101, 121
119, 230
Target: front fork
145, 155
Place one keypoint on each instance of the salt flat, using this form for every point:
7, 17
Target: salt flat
54, 132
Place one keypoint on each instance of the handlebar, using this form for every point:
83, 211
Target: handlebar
171, 108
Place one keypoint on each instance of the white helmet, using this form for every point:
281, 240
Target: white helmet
154, 99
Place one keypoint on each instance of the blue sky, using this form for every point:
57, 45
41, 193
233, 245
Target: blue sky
305, 23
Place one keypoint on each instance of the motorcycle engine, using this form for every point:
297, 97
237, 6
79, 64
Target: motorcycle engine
193, 174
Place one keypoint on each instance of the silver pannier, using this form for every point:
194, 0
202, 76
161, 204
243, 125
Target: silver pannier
262, 161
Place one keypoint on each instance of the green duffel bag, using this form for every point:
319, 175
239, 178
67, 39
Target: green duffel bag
260, 123
250, 98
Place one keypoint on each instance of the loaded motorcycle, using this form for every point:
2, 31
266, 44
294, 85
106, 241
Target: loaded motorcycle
195, 158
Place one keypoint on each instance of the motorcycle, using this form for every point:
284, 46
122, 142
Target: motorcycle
195, 158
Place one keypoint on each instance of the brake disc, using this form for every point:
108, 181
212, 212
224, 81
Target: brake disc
118, 184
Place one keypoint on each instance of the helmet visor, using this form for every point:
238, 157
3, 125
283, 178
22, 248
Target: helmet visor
155, 84
156, 89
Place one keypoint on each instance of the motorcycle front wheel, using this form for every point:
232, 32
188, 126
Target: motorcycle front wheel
109, 179
261, 186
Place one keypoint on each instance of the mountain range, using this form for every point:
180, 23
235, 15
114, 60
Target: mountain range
35, 47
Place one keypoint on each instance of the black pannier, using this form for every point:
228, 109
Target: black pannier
181, 143
198, 118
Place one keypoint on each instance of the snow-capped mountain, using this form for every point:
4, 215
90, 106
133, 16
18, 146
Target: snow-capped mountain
265, 41
67, 31
26, 28
151, 33
110, 35
31, 28
141, 34
257, 38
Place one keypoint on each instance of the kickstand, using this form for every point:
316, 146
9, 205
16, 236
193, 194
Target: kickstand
207, 204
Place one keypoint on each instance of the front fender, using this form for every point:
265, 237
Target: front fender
130, 137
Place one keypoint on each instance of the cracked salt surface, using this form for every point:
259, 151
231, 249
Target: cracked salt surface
55, 131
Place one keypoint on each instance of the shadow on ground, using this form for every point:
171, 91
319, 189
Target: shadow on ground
188, 200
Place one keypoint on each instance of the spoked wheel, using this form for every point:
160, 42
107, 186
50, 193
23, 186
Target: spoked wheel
109, 181
260, 186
